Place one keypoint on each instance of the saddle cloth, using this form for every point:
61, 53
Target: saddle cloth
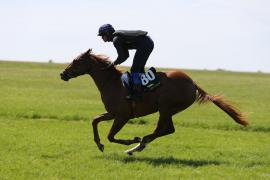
149, 80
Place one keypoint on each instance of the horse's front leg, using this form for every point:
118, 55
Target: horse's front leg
103, 117
116, 127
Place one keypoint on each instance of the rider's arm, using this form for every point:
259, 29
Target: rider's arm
121, 51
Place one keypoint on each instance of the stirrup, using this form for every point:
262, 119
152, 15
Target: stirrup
134, 97
129, 97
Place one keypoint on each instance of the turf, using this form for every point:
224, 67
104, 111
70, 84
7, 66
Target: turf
45, 130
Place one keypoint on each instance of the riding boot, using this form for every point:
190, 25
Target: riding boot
136, 93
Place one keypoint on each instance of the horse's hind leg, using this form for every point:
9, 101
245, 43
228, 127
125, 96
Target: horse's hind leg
164, 127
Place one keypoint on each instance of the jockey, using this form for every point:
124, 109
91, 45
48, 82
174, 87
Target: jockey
123, 40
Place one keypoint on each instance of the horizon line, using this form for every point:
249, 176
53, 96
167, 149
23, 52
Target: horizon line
158, 67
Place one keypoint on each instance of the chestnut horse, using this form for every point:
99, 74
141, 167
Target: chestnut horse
176, 92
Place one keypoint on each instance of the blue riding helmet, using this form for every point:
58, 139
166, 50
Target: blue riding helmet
105, 28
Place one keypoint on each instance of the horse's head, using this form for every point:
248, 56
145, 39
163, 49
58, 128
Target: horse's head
79, 66
87, 63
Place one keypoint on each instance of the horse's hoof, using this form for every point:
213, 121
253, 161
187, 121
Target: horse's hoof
101, 147
129, 153
137, 139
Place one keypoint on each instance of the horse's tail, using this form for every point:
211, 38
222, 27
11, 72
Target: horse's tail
233, 112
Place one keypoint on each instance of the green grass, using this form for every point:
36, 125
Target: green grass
45, 130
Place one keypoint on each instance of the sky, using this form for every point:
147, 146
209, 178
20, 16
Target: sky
196, 34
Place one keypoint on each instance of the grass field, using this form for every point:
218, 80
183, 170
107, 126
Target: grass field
45, 130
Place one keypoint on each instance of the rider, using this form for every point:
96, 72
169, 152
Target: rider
123, 40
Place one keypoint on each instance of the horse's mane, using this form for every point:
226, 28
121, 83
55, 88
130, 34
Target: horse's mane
103, 59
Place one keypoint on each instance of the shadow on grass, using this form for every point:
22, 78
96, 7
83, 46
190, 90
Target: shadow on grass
225, 127
163, 161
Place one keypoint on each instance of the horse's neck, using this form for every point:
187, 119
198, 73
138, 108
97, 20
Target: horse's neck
104, 79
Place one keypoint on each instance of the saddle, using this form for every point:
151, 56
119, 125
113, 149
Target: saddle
149, 80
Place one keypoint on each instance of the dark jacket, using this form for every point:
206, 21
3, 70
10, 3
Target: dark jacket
124, 40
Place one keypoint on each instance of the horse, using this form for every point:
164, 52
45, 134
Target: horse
176, 92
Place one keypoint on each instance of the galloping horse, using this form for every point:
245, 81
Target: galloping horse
176, 92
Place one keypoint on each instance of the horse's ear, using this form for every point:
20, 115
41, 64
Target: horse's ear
88, 51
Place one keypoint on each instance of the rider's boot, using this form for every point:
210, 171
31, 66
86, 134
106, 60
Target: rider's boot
136, 93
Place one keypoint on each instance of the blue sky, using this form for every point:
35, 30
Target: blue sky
195, 34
